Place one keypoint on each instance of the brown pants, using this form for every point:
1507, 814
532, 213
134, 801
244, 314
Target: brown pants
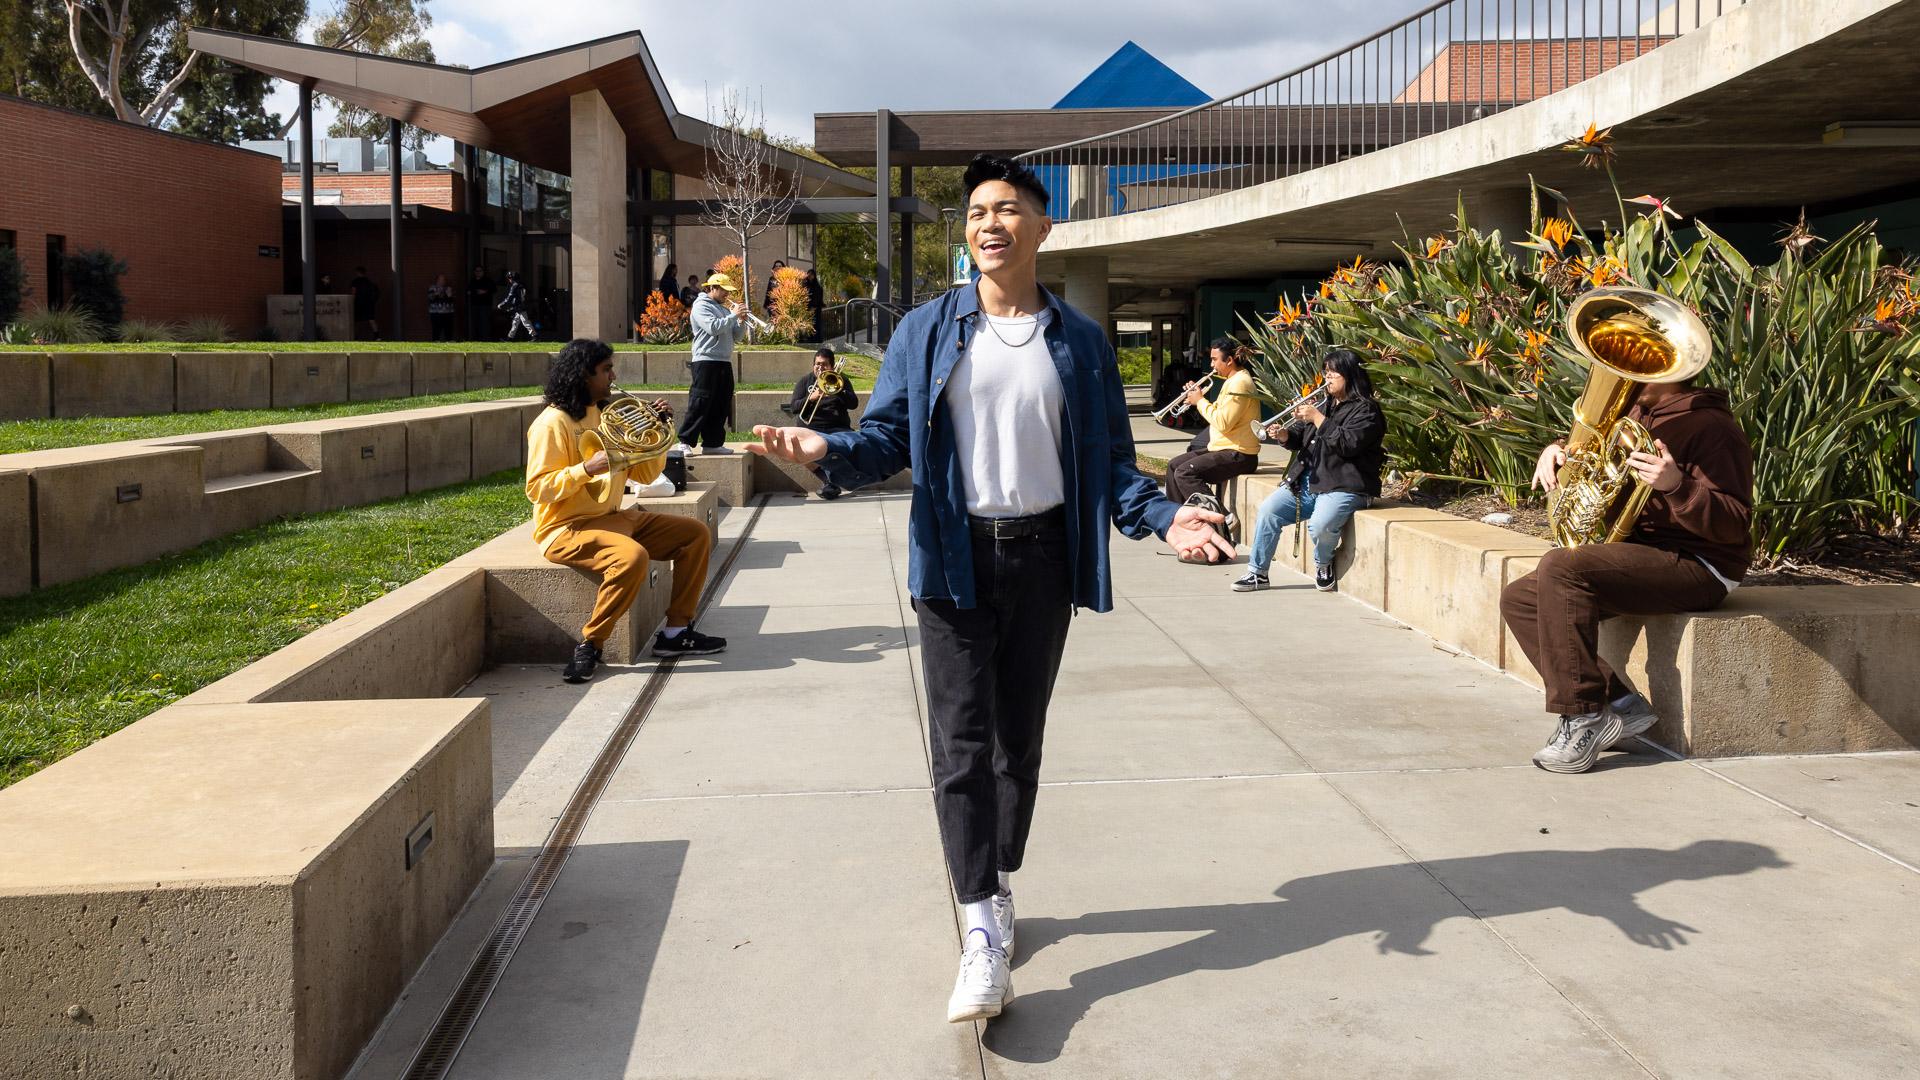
619, 547
1191, 472
1555, 612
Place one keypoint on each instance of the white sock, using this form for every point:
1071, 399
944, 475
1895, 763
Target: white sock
671, 632
980, 921
1006, 883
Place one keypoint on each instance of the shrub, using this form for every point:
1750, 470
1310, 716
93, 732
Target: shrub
136, 330
60, 326
93, 276
13, 284
792, 314
664, 322
206, 328
1466, 347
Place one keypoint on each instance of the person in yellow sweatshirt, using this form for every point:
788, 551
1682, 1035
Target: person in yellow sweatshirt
1233, 449
575, 528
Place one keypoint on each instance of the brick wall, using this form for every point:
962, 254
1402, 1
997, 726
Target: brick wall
187, 216
1516, 71
374, 189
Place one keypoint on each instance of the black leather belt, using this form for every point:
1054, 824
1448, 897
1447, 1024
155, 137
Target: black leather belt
1017, 527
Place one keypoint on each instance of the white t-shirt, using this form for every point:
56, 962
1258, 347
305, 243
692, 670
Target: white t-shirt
1004, 399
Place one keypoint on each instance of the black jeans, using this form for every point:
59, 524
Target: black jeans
709, 402
989, 673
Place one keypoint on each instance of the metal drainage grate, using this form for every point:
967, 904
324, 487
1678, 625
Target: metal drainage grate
442, 1045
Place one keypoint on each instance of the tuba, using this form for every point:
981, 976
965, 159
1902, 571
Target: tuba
828, 383
630, 431
1630, 337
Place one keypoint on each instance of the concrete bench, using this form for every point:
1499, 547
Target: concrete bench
1776, 670
236, 890
95, 508
26, 386
16, 534
222, 380
248, 479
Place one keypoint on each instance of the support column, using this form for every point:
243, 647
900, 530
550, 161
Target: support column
1508, 210
906, 241
883, 219
599, 218
1159, 348
476, 202
395, 218
1087, 289
308, 275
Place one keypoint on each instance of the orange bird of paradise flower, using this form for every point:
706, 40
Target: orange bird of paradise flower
1556, 231
1288, 314
1595, 147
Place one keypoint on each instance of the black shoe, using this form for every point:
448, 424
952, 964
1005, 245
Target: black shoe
688, 642
586, 656
829, 492
1323, 578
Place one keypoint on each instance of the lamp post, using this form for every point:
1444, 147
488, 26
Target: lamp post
947, 214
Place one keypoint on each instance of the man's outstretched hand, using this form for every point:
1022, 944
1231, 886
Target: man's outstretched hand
796, 444
1193, 537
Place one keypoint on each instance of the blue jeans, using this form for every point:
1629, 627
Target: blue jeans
1326, 516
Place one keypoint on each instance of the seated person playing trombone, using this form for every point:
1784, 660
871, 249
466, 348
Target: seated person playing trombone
823, 401
1232, 447
1335, 470
577, 520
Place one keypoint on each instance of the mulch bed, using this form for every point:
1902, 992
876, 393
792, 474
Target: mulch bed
1850, 560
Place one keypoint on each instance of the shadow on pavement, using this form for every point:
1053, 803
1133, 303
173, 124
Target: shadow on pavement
1397, 905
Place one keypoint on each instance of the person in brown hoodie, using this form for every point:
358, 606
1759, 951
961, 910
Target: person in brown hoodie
1688, 549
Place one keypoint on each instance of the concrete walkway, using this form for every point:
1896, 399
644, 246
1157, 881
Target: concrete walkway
1281, 835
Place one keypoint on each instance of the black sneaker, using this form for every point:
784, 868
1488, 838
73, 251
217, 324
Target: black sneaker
586, 656
1323, 578
1253, 582
688, 642
829, 492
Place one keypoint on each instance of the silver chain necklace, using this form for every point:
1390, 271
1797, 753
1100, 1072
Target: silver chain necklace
1022, 343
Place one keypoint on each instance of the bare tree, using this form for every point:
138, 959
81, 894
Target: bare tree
748, 193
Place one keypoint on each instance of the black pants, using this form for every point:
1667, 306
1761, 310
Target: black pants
1191, 472
709, 403
989, 673
442, 323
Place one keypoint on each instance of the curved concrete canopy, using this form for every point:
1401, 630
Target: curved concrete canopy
517, 108
1730, 115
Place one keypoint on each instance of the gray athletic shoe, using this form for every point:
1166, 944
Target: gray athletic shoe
1577, 742
1635, 719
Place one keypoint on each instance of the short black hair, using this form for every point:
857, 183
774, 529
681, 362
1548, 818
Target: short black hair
823, 351
986, 167
567, 374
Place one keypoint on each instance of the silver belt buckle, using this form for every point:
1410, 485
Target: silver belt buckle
1003, 528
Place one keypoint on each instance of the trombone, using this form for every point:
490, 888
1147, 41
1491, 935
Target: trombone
828, 383
1178, 406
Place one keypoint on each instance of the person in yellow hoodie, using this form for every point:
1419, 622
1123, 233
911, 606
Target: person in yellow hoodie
575, 527
1233, 448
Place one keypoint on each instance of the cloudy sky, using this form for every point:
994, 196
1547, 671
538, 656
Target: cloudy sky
806, 56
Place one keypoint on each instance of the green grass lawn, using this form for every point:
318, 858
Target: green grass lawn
90, 657
20, 436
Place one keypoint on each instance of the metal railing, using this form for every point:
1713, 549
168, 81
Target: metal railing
1446, 65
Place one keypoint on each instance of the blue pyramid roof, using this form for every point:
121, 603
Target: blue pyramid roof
1132, 78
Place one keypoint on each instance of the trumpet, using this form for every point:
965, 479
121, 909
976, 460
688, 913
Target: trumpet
828, 383
1178, 406
630, 431
759, 323
1287, 409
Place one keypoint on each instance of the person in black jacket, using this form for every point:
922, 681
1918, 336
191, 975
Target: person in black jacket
824, 412
1334, 472
516, 306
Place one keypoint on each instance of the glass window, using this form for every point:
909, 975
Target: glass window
7, 239
56, 277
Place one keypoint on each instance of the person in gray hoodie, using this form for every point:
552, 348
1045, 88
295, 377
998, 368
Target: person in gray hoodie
716, 327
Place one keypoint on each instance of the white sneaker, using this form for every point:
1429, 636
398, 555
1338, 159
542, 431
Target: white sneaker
1577, 742
984, 986
1003, 919
682, 449
1635, 719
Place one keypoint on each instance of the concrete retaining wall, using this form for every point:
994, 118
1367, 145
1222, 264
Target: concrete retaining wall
94, 510
1815, 669
26, 386
439, 449
112, 384
309, 379
379, 376
16, 534
222, 380
487, 370
439, 373
527, 368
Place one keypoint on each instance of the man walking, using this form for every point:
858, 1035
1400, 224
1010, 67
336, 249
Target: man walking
716, 326
1008, 405
516, 306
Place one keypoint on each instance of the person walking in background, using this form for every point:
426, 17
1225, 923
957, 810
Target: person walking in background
1337, 455
669, 283
816, 302
480, 290
717, 325
821, 411
517, 307
773, 278
366, 301
440, 308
